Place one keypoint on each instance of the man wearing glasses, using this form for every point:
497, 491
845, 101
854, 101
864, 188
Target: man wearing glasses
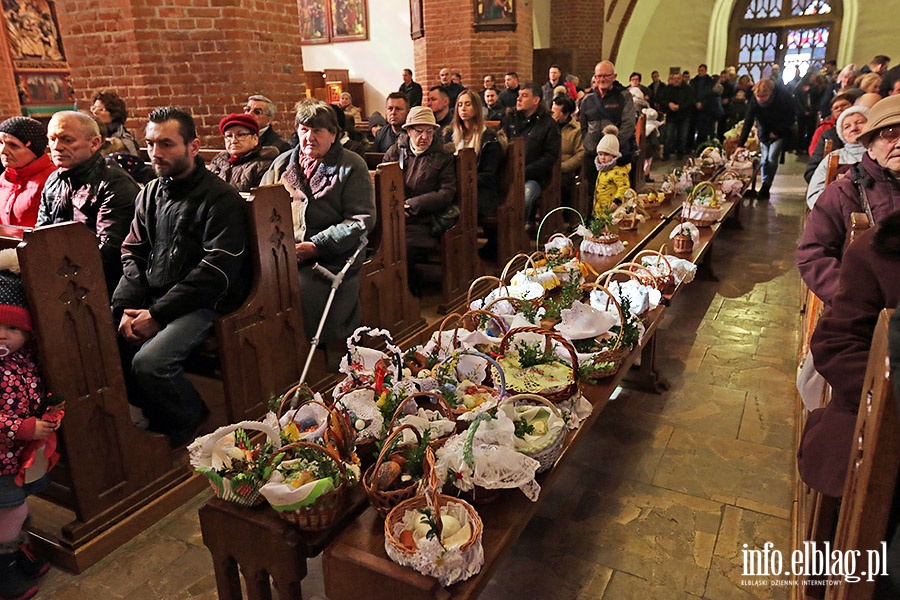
870, 187
263, 112
775, 111
608, 103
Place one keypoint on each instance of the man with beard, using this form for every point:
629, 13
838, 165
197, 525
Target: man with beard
185, 263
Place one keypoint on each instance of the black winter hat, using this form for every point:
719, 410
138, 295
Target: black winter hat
32, 133
13, 305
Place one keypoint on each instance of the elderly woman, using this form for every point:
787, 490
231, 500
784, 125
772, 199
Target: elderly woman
429, 177
870, 187
346, 104
26, 169
849, 125
334, 210
110, 110
244, 161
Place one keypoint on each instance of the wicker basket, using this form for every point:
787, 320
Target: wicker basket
384, 500
338, 431
327, 508
632, 270
565, 392
682, 244
689, 204
666, 279
470, 551
617, 352
436, 402
487, 386
467, 321
550, 452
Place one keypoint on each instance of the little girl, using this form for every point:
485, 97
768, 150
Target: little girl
21, 395
612, 180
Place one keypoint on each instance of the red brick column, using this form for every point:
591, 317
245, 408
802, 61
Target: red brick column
579, 26
203, 55
451, 41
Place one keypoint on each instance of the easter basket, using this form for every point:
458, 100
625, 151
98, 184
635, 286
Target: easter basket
702, 207
540, 428
425, 411
309, 489
236, 470
383, 481
548, 375
606, 361
481, 392
361, 364
417, 533
641, 287
659, 266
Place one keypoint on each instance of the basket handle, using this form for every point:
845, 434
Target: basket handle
386, 448
534, 398
432, 489
537, 240
516, 302
436, 398
481, 311
549, 336
491, 360
660, 258
475, 283
633, 274
511, 262
389, 346
590, 286
288, 398
695, 193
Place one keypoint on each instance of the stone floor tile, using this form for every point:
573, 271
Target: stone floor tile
768, 419
624, 586
698, 407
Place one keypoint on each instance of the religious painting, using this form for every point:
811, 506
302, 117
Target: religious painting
335, 90
32, 32
44, 87
349, 20
314, 19
495, 15
416, 26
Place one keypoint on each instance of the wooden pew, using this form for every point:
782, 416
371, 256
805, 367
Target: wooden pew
460, 264
207, 154
872, 473
510, 220
384, 286
373, 159
551, 197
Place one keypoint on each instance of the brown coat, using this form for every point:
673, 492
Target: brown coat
572, 149
869, 282
247, 172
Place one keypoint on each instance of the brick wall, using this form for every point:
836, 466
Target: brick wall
205, 55
452, 42
581, 28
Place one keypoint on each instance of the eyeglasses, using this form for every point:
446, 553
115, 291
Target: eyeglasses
422, 130
605, 75
236, 136
255, 111
889, 134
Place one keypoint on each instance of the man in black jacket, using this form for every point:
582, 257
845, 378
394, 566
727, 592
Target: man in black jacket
609, 103
775, 111
542, 142
411, 89
185, 263
677, 103
263, 112
87, 189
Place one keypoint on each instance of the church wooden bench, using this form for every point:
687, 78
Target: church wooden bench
384, 286
373, 159
509, 223
551, 198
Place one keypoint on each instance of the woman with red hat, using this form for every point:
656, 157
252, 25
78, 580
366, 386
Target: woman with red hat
244, 161
23, 142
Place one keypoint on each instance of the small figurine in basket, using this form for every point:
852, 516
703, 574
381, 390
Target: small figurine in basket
630, 212
612, 179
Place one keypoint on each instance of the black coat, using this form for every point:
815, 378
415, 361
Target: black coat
413, 93
271, 138
778, 116
542, 142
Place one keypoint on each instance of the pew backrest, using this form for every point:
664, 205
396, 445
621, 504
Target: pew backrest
459, 245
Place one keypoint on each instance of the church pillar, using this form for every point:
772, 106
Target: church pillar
451, 41
205, 56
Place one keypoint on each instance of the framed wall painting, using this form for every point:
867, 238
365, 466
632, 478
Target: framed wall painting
349, 20
495, 15
416, 25
314, 21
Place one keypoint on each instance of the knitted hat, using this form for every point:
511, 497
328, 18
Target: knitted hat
13, 306
609, 143
853, 110
244, 120
30, 132
420, 115
886, 113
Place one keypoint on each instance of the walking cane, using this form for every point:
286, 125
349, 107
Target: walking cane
336, 280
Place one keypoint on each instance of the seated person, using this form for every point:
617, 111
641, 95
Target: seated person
870, 187
849, 125
244, 162
348, 126
494, 110
346, 104
439, 103
469, 131
88, 189
185, 264
825, 131
571, 147
396, 108
263, 112
26, 168
532, 121
336, 189
429, 178
840, 348
110, 110
612, 180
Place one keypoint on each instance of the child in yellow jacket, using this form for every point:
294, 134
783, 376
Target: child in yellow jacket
612, 180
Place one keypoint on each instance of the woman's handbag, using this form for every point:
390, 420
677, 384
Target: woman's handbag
443, 220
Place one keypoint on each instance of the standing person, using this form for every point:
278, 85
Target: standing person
334, 211
510, 94
610, 104
110, 110
185, 264
554, 79
707, 104
87, 189
774, 110
396, 108
657, 89
26, 168
489, 83
612, 180
263, 112
542, 142
244, 161
411, 89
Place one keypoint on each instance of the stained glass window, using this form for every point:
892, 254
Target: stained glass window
756, 54
763, 9
805, 50
809, 7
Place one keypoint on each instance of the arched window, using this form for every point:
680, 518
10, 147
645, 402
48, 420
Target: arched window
792, 34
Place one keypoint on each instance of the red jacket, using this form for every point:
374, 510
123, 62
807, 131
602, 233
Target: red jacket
823, 126
20, 192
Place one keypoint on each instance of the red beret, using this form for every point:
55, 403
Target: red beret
239, 119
